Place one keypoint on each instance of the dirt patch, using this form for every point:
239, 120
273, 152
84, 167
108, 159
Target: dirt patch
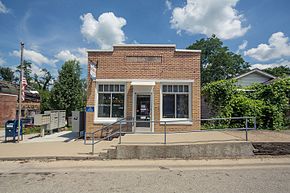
262, 135
272, 148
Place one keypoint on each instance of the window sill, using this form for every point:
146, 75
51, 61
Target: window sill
106, 121
176, 122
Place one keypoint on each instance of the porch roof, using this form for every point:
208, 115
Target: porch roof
143, 83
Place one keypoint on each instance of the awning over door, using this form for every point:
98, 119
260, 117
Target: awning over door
143, 83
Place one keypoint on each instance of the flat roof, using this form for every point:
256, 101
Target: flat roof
145, 45
186, 50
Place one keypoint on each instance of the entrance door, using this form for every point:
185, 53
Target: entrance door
143, 111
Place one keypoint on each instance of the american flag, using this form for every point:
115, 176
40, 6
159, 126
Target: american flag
23, 84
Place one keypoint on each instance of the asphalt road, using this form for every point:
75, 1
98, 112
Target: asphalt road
75, 177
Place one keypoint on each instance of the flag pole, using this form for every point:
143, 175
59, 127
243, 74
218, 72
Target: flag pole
20, 89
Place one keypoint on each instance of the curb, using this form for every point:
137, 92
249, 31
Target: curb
51, 158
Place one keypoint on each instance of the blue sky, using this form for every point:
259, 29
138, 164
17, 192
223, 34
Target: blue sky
56, 30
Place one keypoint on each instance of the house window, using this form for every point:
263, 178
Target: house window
111, 100
175, 101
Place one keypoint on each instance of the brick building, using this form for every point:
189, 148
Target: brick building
146, 82
9, 102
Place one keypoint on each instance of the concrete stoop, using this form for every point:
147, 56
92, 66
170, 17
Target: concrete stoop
180, 151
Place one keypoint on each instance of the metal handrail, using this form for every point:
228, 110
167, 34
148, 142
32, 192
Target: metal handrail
133, 121
92, 134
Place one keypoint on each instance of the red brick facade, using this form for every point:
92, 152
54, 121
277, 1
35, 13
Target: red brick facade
8, 104
158, 63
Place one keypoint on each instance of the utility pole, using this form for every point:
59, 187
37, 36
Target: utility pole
20, 89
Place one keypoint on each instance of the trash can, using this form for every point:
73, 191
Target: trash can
11, 129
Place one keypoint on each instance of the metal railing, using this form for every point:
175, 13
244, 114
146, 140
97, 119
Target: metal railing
106, 128
131, 122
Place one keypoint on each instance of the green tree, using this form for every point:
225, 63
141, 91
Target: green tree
217, 62
219, 94
6, 74
43, 82
67, 92
26, 71
45, 100
281, 71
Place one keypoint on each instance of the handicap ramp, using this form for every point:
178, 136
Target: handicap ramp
193, 145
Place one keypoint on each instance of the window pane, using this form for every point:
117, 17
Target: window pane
185, 88
180, 88
101, 88
111, 87
169, 88
164, 88
175, 88
168, 106
117, 89
182, 105
122, 88
106, 88
104, 105
118, 105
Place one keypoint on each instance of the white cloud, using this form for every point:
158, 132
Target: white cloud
79, 54
279, 46
2, 61
65, 55
168, 4
285, 63
105, 31
242, 46
3, 8
209, 17
34, 57
37, 70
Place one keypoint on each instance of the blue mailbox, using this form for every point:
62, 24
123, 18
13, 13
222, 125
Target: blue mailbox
11, 129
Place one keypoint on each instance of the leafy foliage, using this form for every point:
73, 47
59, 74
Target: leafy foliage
67, 92
268, 103
43, 82
281, 71
219, 94
45, 100
26, 71
217, 62
6, 74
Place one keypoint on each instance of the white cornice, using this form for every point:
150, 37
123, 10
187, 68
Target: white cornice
145, 80
145, 45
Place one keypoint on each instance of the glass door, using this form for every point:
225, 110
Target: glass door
143, 111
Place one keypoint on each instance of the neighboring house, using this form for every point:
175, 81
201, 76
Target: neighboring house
254, 76
146, 82
9, 102
243, 80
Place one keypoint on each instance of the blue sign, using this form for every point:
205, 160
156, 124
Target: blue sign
90, 109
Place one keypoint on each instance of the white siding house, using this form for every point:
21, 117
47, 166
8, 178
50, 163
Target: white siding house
254, 76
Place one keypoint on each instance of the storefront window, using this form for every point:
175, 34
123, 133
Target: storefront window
111, 100
168, 106
175, 101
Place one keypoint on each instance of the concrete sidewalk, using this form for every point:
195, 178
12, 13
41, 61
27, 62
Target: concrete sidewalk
62, 150
180, 138
53, 146
58, 145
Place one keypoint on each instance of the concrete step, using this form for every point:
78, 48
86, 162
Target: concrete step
180, 151
143, 130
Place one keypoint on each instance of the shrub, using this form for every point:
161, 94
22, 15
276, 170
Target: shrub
268, 103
